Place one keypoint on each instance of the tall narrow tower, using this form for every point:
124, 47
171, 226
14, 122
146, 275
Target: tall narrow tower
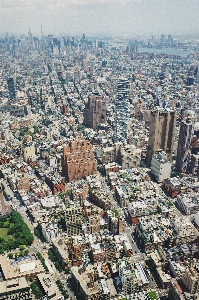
42, 38
41, 33
121, 111
11, 88
161, 133
184, 144
30, 38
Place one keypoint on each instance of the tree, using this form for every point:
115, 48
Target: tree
19, 231
22, 247
36, 289
26, 252
67, 270
10, 255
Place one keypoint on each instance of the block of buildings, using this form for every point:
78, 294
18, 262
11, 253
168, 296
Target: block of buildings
172, 186
85, 282
15, 289
28, 267
191, 280
189, 204
130, 156
28, 151
49, 287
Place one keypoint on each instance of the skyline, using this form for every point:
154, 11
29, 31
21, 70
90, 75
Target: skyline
130, 17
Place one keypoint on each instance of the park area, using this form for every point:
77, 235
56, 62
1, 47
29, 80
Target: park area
14, 232
4, 234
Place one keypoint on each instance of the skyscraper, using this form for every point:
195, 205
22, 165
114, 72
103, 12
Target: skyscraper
161, 133
121, 111
95, 111
30, 38
184, 144
11, 88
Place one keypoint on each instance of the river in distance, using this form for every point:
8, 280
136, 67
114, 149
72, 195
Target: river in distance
169, 51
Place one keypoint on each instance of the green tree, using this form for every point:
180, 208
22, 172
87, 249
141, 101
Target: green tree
22, 247
36, 289
10, 255
26, 252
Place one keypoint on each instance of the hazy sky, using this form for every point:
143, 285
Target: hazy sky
99, 16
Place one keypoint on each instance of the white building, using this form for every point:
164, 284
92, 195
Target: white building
160, 166
188, 203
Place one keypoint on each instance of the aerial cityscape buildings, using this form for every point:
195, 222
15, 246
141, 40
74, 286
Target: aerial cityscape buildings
99, 174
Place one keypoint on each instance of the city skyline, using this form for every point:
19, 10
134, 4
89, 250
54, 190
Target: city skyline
121, 17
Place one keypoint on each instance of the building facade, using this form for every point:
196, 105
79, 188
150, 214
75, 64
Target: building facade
160, 166
161, 133
78, 160
184, 144
11, 88
95, 111
122, 111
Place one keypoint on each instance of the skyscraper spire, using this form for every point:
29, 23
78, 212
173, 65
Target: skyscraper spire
41, 33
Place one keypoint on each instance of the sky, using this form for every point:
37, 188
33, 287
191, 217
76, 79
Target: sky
93, 17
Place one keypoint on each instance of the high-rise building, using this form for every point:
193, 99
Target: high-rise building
11, 88
95, 111
184, 144
78, 160
30, 38
161, 133
121, 111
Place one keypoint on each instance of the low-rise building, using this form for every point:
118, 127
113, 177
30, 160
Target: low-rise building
14, 289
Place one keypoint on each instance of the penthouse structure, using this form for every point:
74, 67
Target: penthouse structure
78, 160
95, 111
121, 111
184, 144
161, 133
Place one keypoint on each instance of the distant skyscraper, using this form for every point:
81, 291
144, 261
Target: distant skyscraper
30, 38
122, 111
161, 133
184, 144
11, 88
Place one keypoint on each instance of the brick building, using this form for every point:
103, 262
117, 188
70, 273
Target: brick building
78, 160
55, 183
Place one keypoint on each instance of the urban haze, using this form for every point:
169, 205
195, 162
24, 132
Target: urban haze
99, 149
